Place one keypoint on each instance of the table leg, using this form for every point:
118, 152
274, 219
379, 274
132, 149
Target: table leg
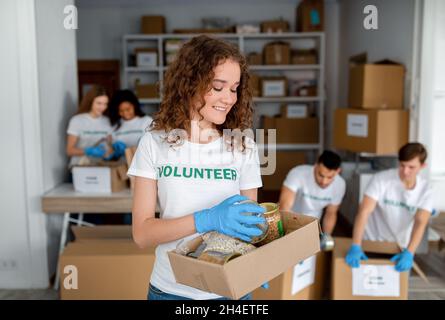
63, 236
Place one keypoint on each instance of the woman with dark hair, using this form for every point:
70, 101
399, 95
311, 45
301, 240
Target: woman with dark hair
128, 121
88, 126
192, 164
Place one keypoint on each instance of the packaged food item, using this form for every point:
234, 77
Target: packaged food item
262, 226
218, 257
275, 225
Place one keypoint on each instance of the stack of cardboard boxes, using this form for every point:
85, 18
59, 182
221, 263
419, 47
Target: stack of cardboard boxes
375, 121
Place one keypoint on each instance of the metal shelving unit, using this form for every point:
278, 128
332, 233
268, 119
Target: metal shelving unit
245, 42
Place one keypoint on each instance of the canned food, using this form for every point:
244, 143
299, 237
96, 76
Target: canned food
218, 257
273, 218
262, 226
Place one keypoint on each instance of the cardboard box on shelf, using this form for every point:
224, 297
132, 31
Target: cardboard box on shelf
254, 83
310, 16
236, 278
103, 177
293, 130
106, 263
292, 111
377, 85
285, 161
277, 52
146, 57
381, 132
273, 86
304, 281
149, 90
306, 91
274, 26
304, 56
255, 59
376, 279
153, 24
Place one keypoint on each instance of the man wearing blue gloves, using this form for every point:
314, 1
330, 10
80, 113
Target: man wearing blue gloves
396, 207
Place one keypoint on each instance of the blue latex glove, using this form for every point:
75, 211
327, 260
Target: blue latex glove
227, 218
354, 255
404, 260
118, 150
95, 152
265, 285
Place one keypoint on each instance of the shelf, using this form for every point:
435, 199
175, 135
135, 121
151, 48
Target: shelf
287, 99
288, 35
292, 146
142, 69
150, 101
285, 67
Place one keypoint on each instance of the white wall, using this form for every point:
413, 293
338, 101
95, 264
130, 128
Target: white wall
32, 90
393, 40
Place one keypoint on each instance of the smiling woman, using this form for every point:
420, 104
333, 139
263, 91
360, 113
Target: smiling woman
206, 88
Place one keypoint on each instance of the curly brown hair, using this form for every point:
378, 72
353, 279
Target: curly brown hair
189, 77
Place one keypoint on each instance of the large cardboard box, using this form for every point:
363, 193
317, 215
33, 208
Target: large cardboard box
273, 86
104, 177
310, 16
285, 161
305, 281
376, 279
244, 274
293, 130
382, 132
277, 52
153, 24
377, 85
103, 263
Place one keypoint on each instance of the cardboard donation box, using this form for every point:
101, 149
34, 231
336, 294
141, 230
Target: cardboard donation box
276, 53
304, 281
375, 279
153, 24
245, 273
104, 177
146, 57
378, 85
273, 86
104, 263
284, 162
303, 130
381, 132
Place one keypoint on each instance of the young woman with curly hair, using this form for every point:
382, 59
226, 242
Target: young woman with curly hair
192, 165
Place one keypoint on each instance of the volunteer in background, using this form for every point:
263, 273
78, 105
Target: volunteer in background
396, 207
311, 189
88, 126
198, 174
129, 125
127, 119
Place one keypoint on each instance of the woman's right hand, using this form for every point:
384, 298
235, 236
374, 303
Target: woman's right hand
227, 218
95, 152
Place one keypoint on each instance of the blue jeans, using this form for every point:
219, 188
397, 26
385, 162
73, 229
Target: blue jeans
157, 294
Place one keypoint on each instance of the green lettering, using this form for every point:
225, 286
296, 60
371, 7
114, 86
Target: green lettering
226, 173
218, 174
208, 173
167, 173
160, 169
233, 174
184, 172
176, 172
199, 172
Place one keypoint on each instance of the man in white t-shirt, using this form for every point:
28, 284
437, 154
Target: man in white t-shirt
396, 207
311, 189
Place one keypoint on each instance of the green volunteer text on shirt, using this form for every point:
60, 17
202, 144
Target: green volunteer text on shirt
400, 205
129, 132
94, 132
197, 173
312, 197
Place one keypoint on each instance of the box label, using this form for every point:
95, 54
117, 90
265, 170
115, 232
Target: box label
357, 125
304, 274
296, 111
92, 179
273, 88
147, 59
375, 281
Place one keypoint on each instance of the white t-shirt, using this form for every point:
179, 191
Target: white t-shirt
396, 205
190, 178
131, 131
89, 130
310, 198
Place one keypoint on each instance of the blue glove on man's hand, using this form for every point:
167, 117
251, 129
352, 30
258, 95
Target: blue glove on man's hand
265, 285
354, 255
227, 218
118, 150
95, 152
404, 260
